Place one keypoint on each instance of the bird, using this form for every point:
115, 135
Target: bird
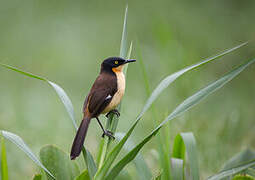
103, 98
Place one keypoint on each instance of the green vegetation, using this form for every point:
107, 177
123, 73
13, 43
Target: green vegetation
176, 154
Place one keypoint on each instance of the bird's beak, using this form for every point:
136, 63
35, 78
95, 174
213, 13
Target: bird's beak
130, 60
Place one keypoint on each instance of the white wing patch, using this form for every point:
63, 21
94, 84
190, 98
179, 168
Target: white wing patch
108, 97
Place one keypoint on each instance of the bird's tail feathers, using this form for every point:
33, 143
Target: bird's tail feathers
79, 138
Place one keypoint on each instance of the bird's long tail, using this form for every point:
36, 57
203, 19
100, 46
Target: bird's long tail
79, 138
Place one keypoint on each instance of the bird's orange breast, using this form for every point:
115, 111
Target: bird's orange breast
121, 84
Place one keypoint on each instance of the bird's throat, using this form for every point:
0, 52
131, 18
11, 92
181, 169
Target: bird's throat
118, 69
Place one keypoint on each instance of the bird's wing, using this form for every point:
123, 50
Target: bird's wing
101, 94
98, 101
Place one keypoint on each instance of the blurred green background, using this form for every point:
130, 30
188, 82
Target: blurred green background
65, 41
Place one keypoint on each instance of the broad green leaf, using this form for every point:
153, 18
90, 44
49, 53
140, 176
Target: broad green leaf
185, 142
177, 169
184, 106
22, 145
178, 148
232, 171
169, 79
142, 169
239, 158
59, 163
4, 166
68, 106
83, 176
37, 177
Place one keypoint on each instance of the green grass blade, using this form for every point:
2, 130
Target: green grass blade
61, 93
65, 100
186, 142
92, 168
22, 145
239, 159
4, 166
232, 171
184, 106
68, 106
169, 79
142, 169
177, 169
123, 44
22, 72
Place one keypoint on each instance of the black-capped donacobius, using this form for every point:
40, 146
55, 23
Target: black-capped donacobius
104, 96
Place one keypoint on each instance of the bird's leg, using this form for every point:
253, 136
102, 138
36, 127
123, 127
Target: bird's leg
114, 111
105, 132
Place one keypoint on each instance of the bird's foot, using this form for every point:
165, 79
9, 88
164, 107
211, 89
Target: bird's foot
108, 133
114, 111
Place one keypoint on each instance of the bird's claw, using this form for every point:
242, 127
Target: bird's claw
108, 133
114, 111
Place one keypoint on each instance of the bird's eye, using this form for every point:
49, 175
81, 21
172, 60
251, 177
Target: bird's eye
116, 62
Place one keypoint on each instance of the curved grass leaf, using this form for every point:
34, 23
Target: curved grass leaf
185, 142
22, 145
4, 167
61, 93
169, 79
59, 163
184, 106
92, 168
142, 169
177, 169
123, 44
239, 158
69, 108
232, 171
65, 100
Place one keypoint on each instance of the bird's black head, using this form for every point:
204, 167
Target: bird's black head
114, 64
